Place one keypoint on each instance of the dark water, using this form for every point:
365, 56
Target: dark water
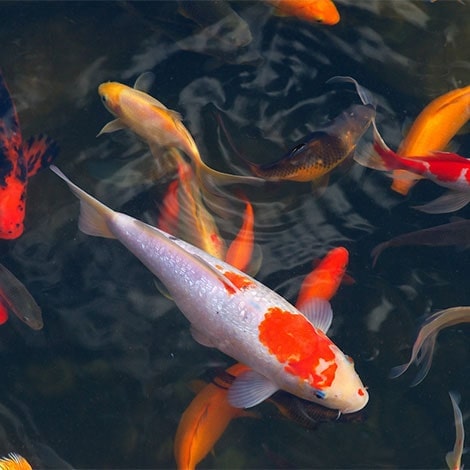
104, 384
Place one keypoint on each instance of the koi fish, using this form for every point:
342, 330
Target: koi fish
453, 233
321, 11
325, 279
19, 161
185, 213
321, 151
157, 125
443, 168
14, 297
425, 342
432, 130
211, 404
204, 421
231, 311
454, 457
14, 462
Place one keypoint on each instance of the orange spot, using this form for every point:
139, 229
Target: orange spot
360, 392
295, 342
239, 281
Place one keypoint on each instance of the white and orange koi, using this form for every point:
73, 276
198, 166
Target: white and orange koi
231, 311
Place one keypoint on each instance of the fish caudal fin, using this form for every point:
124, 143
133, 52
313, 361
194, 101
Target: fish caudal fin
39, 152
94, 215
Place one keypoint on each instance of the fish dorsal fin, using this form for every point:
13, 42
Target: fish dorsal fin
39, 152
249, 389
319, 312
112, 126
144, 81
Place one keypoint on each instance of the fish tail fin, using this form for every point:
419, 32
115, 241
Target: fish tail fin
449, 202
403, 182
39, 152
94, 215
398, 370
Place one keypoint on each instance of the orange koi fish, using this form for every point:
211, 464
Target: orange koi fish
324, 280
321, 151
432, 130
454, 457
229, 310
14, 297
210, 412
320, 11
204, 421
184, 213
157, 125
423, 347
19, 160
14, 462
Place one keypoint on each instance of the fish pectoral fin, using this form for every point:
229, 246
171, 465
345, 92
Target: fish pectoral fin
201, 337
162, 289
39, 152
449, 202
319, 312
319, 185
112, 126
249, 389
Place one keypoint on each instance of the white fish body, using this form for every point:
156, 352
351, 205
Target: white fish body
238, 315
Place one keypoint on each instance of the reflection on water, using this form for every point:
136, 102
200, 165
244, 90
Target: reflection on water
111, 366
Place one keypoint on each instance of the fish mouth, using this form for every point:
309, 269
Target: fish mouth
358, 407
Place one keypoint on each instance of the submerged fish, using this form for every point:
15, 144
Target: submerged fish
454, 457
321, 151
453, 233
238, 315
425, 342
432, 130
320, 11
204, 421
19, 160
157, 125
14, 297
14, 461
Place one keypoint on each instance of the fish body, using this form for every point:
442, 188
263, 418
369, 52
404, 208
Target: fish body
320, 11
204, 421
185, 215
14, 461
454, 457
432, 130
424, 344
19, 160
14, 297
453, 233
325, 279
321, 151
238, 315
446, 169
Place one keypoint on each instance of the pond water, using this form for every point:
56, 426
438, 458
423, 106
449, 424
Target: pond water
104, 383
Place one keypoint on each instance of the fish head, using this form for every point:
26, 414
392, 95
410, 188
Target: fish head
346, 392
322, 11
110, 93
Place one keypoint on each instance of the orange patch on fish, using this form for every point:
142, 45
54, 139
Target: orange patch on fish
294, 341
239, 281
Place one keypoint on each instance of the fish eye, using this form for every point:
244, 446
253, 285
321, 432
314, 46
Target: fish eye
319, 394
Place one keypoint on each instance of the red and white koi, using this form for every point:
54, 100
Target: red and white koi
231, 311
423, 347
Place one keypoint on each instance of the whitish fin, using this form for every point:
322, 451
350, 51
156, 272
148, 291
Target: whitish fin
249, 389
398, 370
93, 214
201, 337
319, 313
112, 126
364, 94
449, 202
424, 359
144, 81
256, 261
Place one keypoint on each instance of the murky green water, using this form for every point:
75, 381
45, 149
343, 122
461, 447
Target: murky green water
104, 384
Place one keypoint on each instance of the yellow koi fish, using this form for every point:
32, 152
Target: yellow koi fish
14, 462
